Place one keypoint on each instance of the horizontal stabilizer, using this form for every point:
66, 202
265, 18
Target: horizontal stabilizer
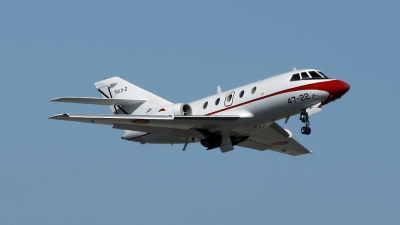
101, 101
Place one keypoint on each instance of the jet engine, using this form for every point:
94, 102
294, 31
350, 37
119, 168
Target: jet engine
179, 109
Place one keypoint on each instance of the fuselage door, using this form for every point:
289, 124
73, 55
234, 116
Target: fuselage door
229, 98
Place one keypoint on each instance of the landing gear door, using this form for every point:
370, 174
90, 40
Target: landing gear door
314, 109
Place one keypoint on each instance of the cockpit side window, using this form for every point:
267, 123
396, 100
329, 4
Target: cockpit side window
304, 76
325, 76
315, 75
295, 77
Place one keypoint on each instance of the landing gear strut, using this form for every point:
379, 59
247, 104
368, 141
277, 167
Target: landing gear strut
304, 118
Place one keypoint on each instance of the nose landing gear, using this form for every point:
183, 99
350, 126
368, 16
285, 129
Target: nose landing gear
304, 118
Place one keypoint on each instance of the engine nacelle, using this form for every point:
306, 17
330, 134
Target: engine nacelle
179, 109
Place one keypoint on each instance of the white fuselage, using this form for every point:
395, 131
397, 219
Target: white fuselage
258, 104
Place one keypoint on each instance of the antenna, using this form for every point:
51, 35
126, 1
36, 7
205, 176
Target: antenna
219, 89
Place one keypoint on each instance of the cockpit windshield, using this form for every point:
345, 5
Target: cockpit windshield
308, 75
322, 74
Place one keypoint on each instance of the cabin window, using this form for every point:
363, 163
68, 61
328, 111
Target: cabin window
295, 77
229, 98
241, 94
253, 90
217, 101
205, 105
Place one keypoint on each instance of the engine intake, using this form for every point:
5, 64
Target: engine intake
182, 109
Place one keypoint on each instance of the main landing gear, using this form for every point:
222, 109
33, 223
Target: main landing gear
304, 118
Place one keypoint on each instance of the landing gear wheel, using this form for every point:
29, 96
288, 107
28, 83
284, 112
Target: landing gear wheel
303, 130
306, 130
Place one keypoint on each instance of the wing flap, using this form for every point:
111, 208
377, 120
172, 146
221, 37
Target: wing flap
101, 101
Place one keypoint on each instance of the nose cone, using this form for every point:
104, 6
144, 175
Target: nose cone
340, 89
336, 90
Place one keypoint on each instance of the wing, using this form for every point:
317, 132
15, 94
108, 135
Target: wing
274, 138
144, 123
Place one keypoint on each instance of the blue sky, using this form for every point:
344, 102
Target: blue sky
56, 172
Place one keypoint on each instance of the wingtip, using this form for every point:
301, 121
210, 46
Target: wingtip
54, 99
59, 116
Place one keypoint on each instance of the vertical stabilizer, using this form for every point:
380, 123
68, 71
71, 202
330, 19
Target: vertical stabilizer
116, 87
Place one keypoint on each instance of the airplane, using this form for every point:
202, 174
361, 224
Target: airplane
244, 116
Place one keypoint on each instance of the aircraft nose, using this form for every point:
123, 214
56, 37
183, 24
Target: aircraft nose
340, 89
336, 90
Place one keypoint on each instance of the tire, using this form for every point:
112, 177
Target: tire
304, 130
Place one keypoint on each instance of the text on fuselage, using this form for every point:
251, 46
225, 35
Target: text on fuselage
301, 98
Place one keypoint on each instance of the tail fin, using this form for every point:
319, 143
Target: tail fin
118, 88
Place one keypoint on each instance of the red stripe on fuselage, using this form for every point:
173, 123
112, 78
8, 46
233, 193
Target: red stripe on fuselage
335, 88
328, 86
